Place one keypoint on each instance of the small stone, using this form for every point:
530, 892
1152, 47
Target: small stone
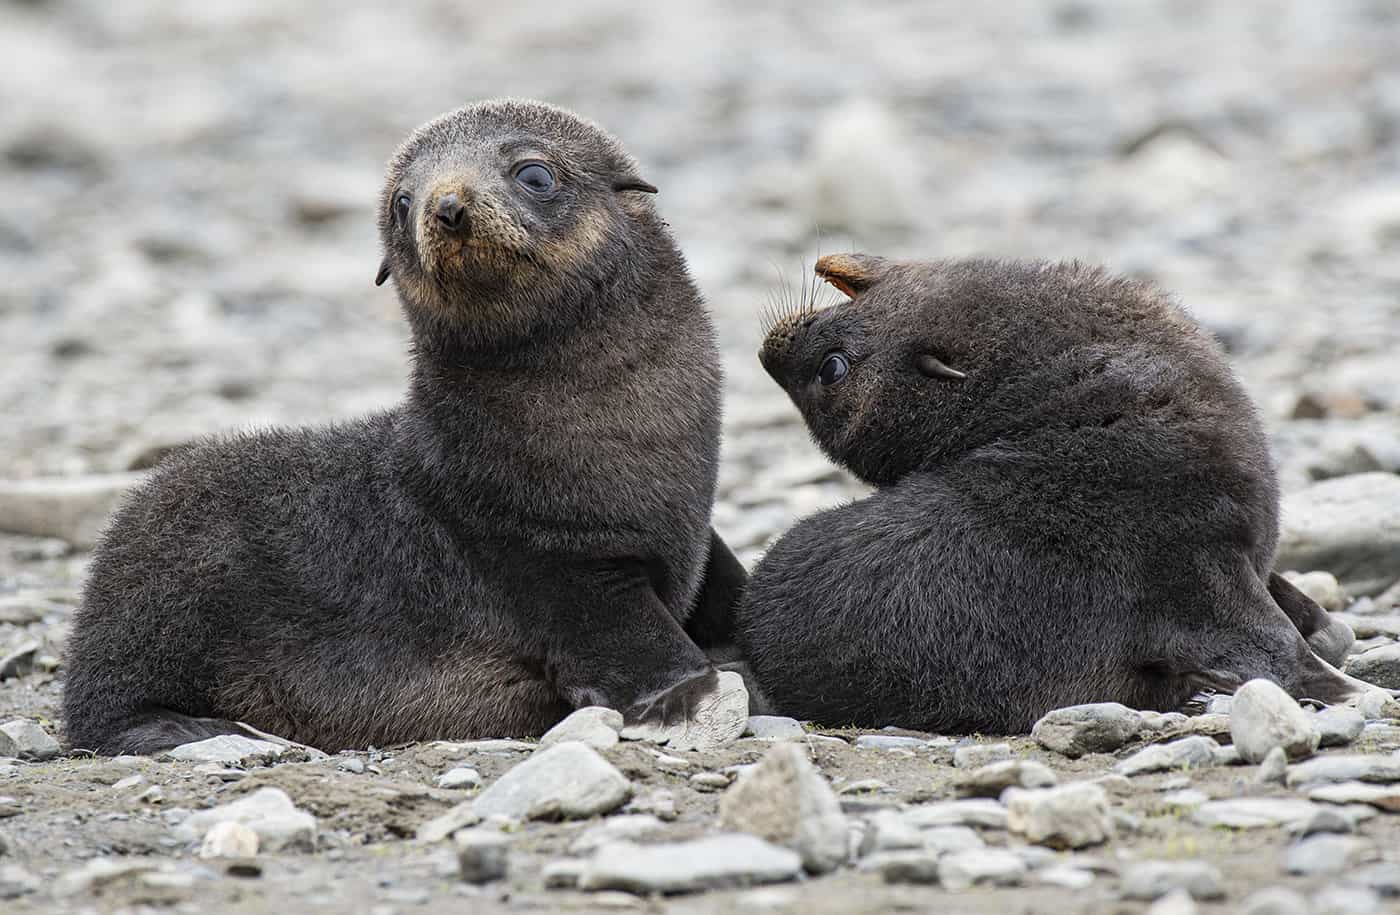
1219, 705
1383, 797
562, 873
152, 795
982, 812
1345, 768
1379, 666
889, 742
97, 873
1273, 768
942, 840
1184, 800
1186, 753
1158, 722
1071, 816
1177, 902
1383, 878
482, 854
614, 829
1375, 704
991, 780
1338, 725
863, 786
887, 831
1322, 587
1325, 854
774, 727
1255, 812
25, 739
594, 725
565, 781
659, 802
131, 781
228, 750
983, 867
1100, 727
19, 662
229, 839
15, 882
784, 799
440, 827
460, 777
1264, 717
976, 755
267, 811
713, 862
904, 867
1329, 821
709, 781
1066, 876
1154, 879
1227, 756
357, 766
1274, 900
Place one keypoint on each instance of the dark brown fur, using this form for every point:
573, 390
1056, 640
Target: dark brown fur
528, 532
1074, 504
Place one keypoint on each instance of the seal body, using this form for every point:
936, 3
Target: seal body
1074, 504
526, 533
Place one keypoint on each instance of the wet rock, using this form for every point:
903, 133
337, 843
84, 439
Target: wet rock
1273, 767
1263, 717
1255, 812
1186, 753
1380, 666
24, 739
1338, 725
1325, 854
1155, 879
1382, 797
991, 780
73, 509
440, 827
1322, 587
269, 812
982, 812
1345, 768
1100, 727
460, 777
1274, 900
229, 839
774, 727
1070, 816
1349, 526
716, 720
228, 750
983, 867
976, 755
594, 725
784, 799
723, 860
914, 867
566, 781
482, 854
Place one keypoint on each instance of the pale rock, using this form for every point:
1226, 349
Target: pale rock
228, 750
73, 509
1186, 753
440, 827
229, 839
1273, 767
1345, 768
614, 829
717, 719
1264, 716
1349, 526
594, 725
1274, 900
1338, 725
1070, 816
1378, 666
916, 867
1255, 812
983, 812
1154, 879
482, 854
1100, 727
1325, 854
1322, 587
24, 739
1177, 902
713, 862
1382, 797
774, 727
976, 755
784, 799
459, 777
269, 812
565, 781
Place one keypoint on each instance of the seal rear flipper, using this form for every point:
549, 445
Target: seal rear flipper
1330, 638
711, 621
157, 730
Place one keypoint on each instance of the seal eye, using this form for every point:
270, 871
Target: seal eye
401, 205
834, 369
535, 177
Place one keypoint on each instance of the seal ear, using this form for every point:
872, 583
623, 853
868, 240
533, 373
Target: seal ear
632, 183
383, 272
933, 367
851, 273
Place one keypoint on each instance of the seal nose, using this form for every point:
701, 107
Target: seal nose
452, 212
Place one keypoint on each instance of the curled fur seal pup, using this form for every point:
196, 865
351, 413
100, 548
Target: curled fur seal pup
527, 533
1074, 504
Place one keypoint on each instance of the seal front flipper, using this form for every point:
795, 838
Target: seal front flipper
1329, 638
628, 652
711, 622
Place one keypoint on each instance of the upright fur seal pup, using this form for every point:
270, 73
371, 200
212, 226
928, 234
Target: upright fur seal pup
527, 533
1074, 504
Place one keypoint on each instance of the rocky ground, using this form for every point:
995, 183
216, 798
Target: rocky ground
187, 242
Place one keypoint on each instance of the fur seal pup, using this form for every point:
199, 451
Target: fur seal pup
1074, 504
527, 533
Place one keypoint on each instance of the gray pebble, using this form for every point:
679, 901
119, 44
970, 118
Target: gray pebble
269, 812
565, 781
1273, 767
228, 750
1350, 524
1346, 768
482, 854
982, 812
25, 739
1324, 854
459, 777
1321, 587
1255, 812
904, 867
1100, 727
594, 725
716, 861
1154, 879
1346, 900
1378, 666
774, 727
889, 742
1338, 725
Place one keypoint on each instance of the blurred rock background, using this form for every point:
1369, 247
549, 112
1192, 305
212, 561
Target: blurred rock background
187, 231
